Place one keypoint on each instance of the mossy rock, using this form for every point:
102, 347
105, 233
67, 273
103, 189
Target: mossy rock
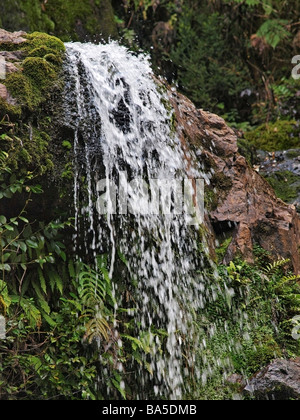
286, 185
41, 52
217, 191
11, 111
44, 41
280, 135
21, 88
27, 138
39, 71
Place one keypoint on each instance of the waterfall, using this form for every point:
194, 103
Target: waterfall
125, 147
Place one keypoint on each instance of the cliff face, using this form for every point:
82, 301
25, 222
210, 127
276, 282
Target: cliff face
239, 202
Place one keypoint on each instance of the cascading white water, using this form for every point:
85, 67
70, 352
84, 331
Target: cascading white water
123, 129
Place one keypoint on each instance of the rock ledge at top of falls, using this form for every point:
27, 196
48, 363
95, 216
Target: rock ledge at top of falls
246, 205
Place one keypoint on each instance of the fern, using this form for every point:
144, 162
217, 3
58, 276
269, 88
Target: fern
32, 313
55, 280
96, 328
288, 280
42, 280
94, 288
273, 267
274, 31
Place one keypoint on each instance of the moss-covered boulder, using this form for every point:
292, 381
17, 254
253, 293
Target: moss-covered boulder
280, 135
25, 127
68, 19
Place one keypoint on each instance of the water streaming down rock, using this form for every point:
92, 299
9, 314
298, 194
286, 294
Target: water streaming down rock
123, 130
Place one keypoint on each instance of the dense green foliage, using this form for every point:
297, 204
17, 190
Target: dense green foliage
248, 325
60, 313
228, 56
61, 317
280, 135
67, 19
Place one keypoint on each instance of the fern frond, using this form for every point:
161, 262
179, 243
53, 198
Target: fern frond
55, 280
290, 279
286, 281
272, 267
96, 328
94, 288
42, 280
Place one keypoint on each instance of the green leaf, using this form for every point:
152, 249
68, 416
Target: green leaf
35, 362
44, 305
117, 384
55, 280
23, 246
274, 31
32, 244
49, 320
6, 256
42, 281
24, 219
5, 267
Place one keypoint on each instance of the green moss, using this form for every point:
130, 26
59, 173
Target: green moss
221, 181
217, 191
29, 151
286, 185
39, 71
210, 200
53, 58
41, 51
14, 112
28, 145
42, 40
21, 88
281, 135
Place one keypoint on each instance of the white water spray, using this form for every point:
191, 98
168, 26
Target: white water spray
122, 125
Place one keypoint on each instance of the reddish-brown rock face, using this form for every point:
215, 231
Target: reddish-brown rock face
248, 203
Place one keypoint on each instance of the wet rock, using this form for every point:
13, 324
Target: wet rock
246, 202
236, 379
12, 55
278, 381
4, 94
10, 68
